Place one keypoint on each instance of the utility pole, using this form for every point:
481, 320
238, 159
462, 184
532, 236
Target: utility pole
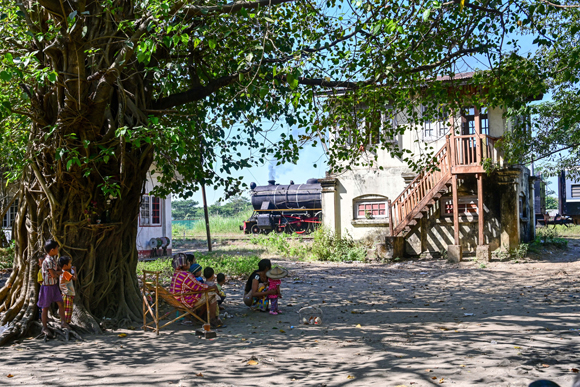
206, 217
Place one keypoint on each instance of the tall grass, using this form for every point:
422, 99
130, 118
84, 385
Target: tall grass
563, 231
217, 224
326, 246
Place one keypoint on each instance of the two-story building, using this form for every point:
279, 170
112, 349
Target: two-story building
471, 202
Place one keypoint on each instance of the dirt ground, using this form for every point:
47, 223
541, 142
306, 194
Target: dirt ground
413, 323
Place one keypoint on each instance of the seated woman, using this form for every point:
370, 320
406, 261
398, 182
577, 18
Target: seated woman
184, 282
255, 293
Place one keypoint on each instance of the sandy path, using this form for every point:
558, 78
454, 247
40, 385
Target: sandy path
412, 332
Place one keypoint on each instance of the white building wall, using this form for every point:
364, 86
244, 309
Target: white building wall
146, 232
389, 182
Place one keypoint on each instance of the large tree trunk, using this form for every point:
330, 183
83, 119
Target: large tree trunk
77, 158
105, 254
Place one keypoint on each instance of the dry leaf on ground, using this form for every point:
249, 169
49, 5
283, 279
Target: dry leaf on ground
350, 377
575, 370
200, 375
358, 326
123, 335
433, 377
252, 362
9, 376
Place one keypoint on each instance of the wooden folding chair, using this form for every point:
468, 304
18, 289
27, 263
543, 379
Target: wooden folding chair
151, 289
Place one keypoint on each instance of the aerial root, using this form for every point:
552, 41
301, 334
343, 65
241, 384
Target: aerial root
62, 334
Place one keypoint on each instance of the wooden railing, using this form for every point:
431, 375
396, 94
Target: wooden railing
416, 195
460, 154
471, 149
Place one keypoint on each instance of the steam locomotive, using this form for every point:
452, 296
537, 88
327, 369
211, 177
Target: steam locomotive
293, 208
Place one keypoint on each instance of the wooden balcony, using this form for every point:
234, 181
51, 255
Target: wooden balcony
469, 152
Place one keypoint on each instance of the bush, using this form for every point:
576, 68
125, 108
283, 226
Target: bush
325, 246
7, 257
328, 247
548, 237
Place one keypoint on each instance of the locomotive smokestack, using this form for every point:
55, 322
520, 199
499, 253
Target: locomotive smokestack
272, 182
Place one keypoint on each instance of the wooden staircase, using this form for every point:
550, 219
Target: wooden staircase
459, 155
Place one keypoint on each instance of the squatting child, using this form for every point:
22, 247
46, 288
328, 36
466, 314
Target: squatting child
49, 290
66, 286
274, 275
221, 279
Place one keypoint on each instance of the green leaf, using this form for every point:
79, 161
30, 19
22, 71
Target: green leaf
243, 12
211, 43
292, 81
51, 76
263, 91
68, 164
426, 14
5, 76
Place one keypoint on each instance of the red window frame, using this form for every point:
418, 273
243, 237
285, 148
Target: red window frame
155, 210
376, 209
150, 211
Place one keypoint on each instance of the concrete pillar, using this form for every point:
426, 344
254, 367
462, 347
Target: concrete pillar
454, 253
532, 209
510, 216
394, 247
330, 205
483, 253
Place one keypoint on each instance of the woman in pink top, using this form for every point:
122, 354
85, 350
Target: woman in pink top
184, 282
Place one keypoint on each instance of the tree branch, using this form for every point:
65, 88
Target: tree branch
195, 10
467, 4
193, 94
560, 6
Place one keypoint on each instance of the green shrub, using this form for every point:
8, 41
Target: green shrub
324, 247
546, 237
328, 247
7, 257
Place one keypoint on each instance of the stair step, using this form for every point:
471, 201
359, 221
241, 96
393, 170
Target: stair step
437, 196
430, 203
406, 229
419, 215
412, 222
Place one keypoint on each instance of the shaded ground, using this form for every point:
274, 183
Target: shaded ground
389, 325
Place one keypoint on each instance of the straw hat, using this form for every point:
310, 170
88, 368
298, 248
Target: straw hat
277, 273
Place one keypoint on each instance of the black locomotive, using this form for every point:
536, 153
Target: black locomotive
285, 208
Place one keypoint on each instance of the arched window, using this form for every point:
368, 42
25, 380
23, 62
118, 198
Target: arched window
370, 207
